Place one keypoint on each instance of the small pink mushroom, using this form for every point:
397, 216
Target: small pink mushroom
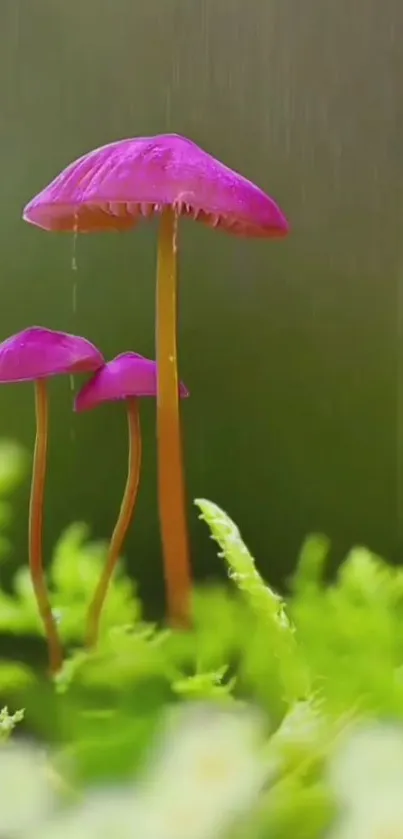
35, 355
127, 377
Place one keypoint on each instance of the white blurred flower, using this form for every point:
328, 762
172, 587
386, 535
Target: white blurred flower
26, 795
106, 814
209, 770
368, 763
379, 818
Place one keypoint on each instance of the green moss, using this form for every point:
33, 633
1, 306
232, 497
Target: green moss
315, 662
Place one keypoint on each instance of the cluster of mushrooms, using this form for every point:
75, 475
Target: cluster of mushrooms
113, 188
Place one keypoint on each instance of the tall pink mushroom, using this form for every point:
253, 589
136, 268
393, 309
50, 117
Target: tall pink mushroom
127, 378
35, 355
114, 187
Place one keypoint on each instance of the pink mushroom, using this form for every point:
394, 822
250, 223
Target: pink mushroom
113, 188
35, 355
127, 377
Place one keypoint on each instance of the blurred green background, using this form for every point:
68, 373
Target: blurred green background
291, 350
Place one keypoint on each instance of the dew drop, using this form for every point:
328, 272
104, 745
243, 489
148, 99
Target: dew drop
72, 390
175, 232
74, 265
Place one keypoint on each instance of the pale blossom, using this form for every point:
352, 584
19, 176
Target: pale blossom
26, 794
380, 817
209, 769
367, 762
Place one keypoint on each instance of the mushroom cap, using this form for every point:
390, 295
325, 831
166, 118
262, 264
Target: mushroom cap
113, 187
39, 353
128, 375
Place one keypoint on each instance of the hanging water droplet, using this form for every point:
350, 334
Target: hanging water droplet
72, 428
175, 230
75, 236
74, 265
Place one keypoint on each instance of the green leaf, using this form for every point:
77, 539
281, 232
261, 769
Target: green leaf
269, 607
8, 722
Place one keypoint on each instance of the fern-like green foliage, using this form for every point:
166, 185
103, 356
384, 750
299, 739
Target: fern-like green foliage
315, 661
8, 722
268, 607
351, 634
74, 572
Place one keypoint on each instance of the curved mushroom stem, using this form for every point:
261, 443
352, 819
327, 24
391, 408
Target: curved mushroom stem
122, 524
36, 526
171, 483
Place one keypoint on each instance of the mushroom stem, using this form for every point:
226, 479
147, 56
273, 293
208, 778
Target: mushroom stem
171, 483
122, 524
36, 526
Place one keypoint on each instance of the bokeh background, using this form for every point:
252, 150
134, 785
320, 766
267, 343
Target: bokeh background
292, 350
